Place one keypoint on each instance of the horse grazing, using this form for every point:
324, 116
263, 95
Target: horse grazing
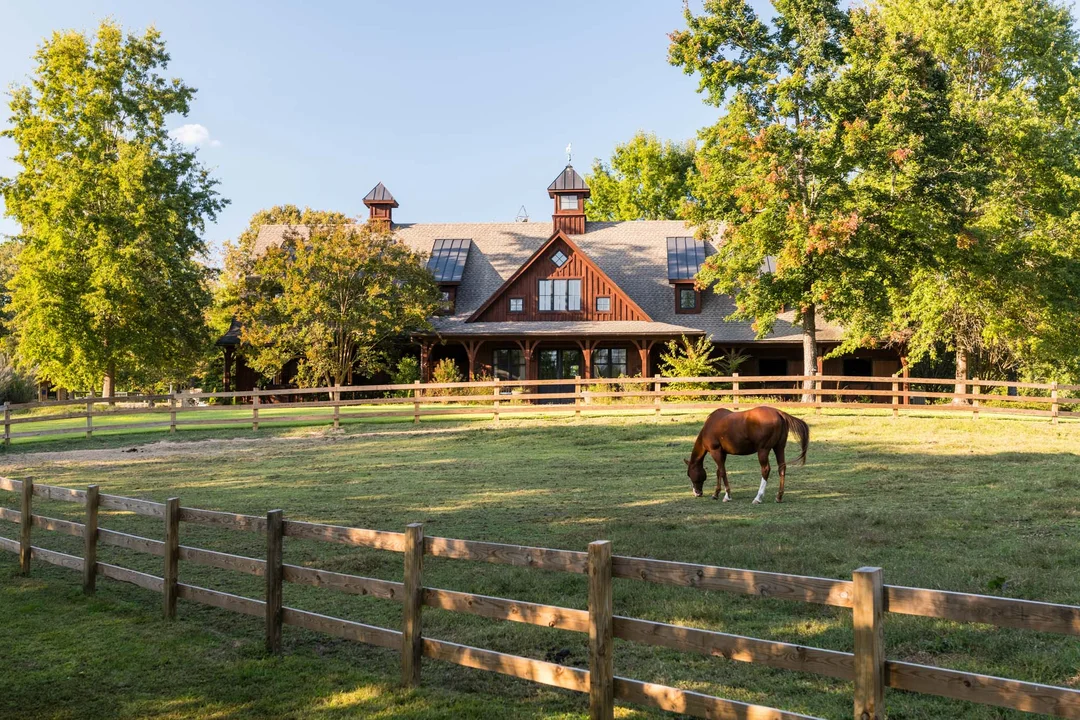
757, 430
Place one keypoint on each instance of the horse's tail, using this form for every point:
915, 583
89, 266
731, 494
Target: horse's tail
801, 429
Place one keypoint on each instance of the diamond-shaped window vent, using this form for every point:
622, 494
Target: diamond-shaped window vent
559, 258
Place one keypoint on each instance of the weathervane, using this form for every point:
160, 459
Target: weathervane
568, 153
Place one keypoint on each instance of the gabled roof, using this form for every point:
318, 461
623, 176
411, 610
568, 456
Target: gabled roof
379, 195
567, 181
633, 254
541, 252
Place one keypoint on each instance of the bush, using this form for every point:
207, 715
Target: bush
446, 371
690, 359
406, 372
15, 385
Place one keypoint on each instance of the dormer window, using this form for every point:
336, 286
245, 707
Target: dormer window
447, 297
687, 299
559, 258
568, 202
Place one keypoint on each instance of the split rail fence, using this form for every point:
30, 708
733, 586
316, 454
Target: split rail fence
866, 594
502, 398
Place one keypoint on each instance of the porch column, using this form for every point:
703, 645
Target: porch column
472, 347
425, 361
528, 347
587, 347
226, 380
644, 346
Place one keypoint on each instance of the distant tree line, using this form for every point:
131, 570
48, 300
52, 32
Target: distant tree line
912, 167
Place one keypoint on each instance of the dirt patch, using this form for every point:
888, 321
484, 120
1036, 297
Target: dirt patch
213, 447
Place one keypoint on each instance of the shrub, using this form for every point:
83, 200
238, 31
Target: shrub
406, 372
446, 371
689, 359
15, 385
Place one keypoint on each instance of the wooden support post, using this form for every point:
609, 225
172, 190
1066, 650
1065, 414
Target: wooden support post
895, 400
735, 390
577, 397
657, 399
868, 613
412, 643
496, 392
26, 522
337, 406
172, 412
416, 403
817, 397
254, 412
172, 556
274, 573
89, 418
1054, 408
7, 423
976, 389
601, 633
90, 539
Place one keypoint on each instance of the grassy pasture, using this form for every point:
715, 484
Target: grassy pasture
989, 506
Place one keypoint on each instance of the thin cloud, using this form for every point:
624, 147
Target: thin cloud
195, 135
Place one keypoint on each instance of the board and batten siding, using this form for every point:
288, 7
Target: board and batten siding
593, 284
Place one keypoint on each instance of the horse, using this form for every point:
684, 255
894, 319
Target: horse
757, 430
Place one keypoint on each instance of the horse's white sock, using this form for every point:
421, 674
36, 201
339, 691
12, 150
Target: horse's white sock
761, 491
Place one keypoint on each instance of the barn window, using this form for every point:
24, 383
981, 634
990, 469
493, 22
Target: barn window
603, 304
609, 362
568, 202
559, 258
560, 295
517, 304
509, 364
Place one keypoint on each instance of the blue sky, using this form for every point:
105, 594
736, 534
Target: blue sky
462, 109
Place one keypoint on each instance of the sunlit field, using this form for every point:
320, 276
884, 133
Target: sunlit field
987, 506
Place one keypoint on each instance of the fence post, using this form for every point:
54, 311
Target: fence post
577, 397
7, 423
416, 403
172, 412
172, 555
868, 614
601, 633
895, 400
90, 417
656, 397
337, 406
412, 642
976, 389
26, 521
497, 391
274, 571
817, 397
735, 389
90, 538
254, 411
1054, 402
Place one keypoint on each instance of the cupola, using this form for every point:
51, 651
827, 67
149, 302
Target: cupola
569, 192
381, 204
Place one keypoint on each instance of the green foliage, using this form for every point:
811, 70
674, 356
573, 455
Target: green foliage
334, 296
829, 157
1004, 291
446, 371
646, 179
108, 282
16, 385
689, 359
407, 371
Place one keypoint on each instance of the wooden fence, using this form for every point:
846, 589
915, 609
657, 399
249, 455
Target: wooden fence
866, 594
502, 398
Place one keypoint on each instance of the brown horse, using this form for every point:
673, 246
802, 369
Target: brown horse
757, 430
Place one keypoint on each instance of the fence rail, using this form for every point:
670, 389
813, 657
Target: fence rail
868, 597
499, 398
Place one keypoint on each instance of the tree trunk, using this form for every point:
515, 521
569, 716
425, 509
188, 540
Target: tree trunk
961, 375
810, 350
109, 388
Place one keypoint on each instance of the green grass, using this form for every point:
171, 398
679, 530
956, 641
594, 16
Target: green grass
986, 506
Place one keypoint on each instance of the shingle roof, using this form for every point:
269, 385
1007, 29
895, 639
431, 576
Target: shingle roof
633, 254
568, 179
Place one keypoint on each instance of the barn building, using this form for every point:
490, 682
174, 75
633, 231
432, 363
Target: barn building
574, 298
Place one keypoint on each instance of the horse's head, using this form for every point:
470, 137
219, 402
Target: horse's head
696, 473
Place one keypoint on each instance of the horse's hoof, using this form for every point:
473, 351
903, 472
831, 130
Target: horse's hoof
779, 499
755, 501
727, 498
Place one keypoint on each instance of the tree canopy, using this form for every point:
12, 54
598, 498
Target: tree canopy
646, 179
333, 295
108, 281
828, 164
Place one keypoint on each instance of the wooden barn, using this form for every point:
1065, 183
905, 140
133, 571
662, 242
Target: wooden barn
573, 298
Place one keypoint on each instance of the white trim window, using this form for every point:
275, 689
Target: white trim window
560, 295
568, 202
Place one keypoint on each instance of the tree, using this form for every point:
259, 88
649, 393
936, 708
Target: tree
111, 210
1004, 294
333, 296
646, 179
829, 158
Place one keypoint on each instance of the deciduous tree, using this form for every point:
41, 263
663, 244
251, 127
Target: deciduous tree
109, 283
829, 157
646, 179
333, 296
